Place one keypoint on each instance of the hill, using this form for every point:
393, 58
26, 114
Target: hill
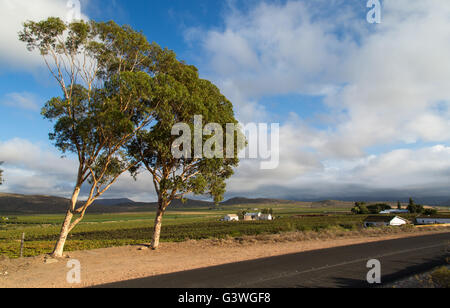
13, 203
113, 201
25, 204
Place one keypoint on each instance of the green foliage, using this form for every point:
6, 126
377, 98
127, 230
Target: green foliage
267, 211
242, 214
107, 74
430, 212
399, 205
44, 35
377, 208
360, 208
415, 208
182, 95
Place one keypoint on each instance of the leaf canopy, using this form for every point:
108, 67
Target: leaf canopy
184, 95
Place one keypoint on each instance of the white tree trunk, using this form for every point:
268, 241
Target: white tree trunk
59, 247
158, 224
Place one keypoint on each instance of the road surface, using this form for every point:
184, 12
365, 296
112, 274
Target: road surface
331, 268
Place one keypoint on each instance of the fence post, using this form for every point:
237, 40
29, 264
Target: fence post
21, 244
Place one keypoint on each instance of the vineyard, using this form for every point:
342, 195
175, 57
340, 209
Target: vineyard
109, 230
101, 231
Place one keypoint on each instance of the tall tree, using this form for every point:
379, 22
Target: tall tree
186, 97
105, 72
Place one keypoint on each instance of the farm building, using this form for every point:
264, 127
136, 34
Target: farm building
265, 217
396, 211
379, 221
231, 217
433, 220
252, 216
258, 216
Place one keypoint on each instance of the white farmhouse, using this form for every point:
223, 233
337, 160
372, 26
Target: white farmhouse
433, 220
266, 217
379, 221
231, 217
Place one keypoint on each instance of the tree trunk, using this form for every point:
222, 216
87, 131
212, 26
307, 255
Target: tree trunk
59, 247
158, 222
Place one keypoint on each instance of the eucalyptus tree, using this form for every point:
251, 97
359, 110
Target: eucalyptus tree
186, 99
105, 72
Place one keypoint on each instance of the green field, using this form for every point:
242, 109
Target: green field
101, 231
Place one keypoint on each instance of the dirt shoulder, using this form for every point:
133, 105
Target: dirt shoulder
130, 262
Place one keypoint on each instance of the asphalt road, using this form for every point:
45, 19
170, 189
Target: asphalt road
328, 268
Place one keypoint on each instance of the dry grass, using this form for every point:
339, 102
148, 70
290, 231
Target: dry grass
328, 234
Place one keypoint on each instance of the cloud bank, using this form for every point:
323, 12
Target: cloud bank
385, 122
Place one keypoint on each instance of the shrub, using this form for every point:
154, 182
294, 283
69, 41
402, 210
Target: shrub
441, 277
360, 209
415, 209
377, 208
430, 212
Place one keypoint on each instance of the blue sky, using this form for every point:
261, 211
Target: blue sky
363, 108
165, 22
162, 21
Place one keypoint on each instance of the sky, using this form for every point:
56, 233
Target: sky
363, 108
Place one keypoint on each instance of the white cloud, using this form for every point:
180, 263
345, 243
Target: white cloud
13, 13
407, 168
387, 81
274, 49
24, 100
33, 168
397, 77
385, 86
397, 174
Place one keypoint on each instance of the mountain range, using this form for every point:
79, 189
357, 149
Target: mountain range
40, 204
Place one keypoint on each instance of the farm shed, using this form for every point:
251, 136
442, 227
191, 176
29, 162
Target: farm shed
433, 220
231, 217
395, 211
379, 221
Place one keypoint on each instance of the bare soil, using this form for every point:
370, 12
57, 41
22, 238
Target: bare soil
131, 262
